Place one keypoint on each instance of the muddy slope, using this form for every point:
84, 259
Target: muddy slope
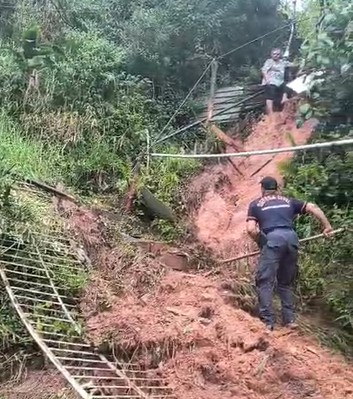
185, 327
207, 349
220, 220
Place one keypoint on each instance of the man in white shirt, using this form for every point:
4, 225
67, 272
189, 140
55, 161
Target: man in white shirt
273, 73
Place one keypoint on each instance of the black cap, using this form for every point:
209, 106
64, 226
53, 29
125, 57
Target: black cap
269, 183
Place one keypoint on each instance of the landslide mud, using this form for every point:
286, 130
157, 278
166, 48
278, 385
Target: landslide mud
183, 326
220, 220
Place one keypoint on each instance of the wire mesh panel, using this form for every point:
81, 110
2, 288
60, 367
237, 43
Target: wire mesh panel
40, 272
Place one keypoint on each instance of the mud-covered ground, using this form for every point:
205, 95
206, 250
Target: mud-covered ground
185, 325
221, 218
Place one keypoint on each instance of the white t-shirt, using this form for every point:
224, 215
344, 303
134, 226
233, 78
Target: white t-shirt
275, 71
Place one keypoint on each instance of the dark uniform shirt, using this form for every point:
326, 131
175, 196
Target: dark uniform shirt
275, 211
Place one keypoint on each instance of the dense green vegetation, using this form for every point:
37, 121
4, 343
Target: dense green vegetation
87, 85
325, 176
95, 78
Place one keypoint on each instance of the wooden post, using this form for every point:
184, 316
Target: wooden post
214, 129
214, 68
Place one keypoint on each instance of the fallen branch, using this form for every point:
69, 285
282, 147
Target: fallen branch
261, 167
251, 254
51, 189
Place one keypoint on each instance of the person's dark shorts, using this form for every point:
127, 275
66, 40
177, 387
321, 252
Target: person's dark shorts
274, 93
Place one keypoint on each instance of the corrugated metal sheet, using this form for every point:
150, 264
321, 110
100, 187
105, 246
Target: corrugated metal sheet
226, 96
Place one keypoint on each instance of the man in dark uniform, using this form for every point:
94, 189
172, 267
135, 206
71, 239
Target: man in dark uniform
270, 224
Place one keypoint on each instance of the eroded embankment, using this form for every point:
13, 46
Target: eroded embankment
184, 326
220, 220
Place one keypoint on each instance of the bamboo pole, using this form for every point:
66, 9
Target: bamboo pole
251, 254
51, 189
257, 152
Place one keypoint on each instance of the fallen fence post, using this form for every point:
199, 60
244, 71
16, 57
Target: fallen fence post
251, 254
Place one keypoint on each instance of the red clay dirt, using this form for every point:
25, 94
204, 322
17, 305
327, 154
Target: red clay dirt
38, 385
220, 220
207, 349
183, 325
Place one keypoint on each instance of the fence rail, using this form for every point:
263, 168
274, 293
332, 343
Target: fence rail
257, 152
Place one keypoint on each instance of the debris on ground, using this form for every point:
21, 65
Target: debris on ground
221, 218
40, 384
188, 327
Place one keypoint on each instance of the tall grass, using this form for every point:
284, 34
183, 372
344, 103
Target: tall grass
25, 156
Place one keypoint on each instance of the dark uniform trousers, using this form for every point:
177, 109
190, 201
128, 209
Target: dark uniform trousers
277, 263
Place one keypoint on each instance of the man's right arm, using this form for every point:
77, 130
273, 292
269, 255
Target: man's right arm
315, 211
265, 69
252, 223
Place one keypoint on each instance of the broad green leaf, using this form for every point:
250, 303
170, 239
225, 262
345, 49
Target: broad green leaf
299, 123
304, 109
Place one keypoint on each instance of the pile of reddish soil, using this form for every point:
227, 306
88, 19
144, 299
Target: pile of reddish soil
38, 385
184, 327
207, 349
220, 220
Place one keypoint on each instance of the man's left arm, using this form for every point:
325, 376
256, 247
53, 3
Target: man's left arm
301, 208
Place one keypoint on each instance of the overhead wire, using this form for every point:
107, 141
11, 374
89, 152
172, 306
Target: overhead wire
254, 40
158, 139
186, 98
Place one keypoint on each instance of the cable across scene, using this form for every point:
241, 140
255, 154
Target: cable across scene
257, 152
185, 99
158, 138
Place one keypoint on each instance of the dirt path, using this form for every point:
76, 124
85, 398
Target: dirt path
220, 220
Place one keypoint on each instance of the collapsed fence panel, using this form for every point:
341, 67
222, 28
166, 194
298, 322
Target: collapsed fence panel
230, 103
51, 321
